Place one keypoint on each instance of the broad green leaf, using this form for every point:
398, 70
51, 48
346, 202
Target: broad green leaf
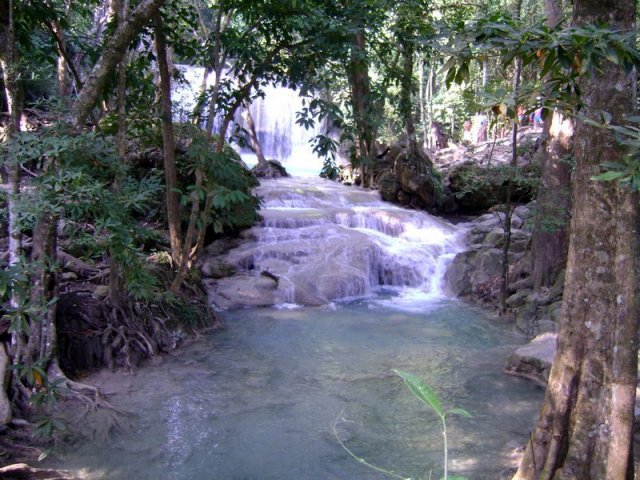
459, 411
422, 391
608, 176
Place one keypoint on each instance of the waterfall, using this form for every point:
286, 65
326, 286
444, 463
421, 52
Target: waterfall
275, 118
323, 241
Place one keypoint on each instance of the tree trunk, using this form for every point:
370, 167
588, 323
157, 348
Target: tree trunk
14, 96
168, 143
113, 52
550, 241
217, 64
485, 72
361, 104
423, 100
253, 136
41, 343
430, 88
585, 426
406, 105
117, 285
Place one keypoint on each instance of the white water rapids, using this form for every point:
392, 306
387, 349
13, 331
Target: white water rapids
272, 395
325, 242
257, 400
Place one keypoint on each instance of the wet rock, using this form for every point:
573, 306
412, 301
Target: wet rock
533, 360
241, 290
518, 299
472, 268
269, 169
405, 177
216, 267
388, 186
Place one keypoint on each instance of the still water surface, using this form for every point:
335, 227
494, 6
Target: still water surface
257, 400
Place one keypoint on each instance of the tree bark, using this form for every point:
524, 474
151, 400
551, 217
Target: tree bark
112, 54
14, 96
253, 136
423, 101
117, 284
41, 344
217, 64
361, 99
585, 426
406, 104
168, 143
550, 241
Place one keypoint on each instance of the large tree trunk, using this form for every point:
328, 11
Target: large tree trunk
168, 143
550, 241
14, 96
361, 104
117, 284
585, 426
406, 104
112, 54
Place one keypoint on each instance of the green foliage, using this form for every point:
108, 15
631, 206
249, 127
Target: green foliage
488, 184
190, 315
562, 55
15, 285
76, 187
225, 180
426, 395
627, 170
45, 394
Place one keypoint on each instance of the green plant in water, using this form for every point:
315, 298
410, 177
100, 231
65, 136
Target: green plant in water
424, 393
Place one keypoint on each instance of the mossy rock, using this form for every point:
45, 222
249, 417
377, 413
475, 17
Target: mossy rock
478, 188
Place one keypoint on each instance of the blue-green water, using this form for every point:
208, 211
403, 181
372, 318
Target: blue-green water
257, 400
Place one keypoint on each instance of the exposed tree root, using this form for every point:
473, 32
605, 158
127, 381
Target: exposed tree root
22, 471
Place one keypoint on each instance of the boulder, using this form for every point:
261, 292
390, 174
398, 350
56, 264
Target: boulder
404, 177
242, 290
216, 267
388, 186
269, 169
478, 188
471, 269
533, 360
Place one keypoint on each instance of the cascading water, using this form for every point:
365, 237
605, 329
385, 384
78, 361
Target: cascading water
323, 241
274, 114
265, 398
